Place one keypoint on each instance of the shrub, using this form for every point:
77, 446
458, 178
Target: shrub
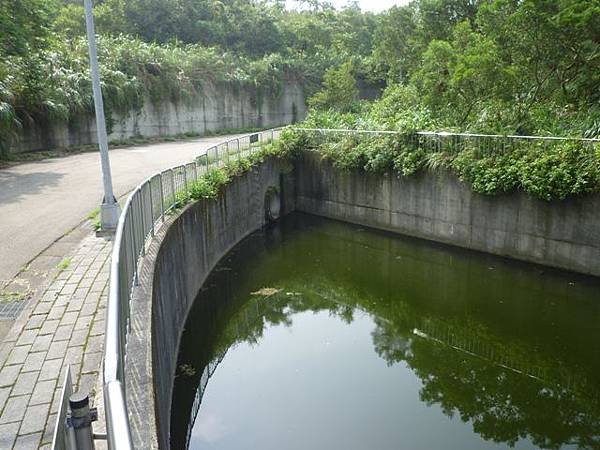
549, 170
339, 91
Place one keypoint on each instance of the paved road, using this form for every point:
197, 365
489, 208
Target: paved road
40, 201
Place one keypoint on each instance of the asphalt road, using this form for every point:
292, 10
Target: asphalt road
41, 201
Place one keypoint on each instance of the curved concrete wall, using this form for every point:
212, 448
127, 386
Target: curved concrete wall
438, 207
222, 107
177, 263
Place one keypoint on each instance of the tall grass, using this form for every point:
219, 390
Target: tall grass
54, 85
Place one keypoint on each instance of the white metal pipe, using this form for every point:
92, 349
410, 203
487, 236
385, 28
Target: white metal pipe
117, 422
118, 433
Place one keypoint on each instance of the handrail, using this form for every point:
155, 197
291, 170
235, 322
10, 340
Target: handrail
454, 143
447, 134
144, 210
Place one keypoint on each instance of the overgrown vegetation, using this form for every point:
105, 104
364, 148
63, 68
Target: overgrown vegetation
94, 218
339, 91
500, 66
157, 50
548, 170
63, 265
209, 185
527, 67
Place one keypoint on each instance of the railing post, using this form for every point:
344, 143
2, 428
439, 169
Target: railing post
173, 193
80, 421
143, 222
185, 180
162, 197
132, 246
151, 208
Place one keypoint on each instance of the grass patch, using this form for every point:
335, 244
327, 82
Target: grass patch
10, 296
94, 217
94, 213
63, 265
209, 184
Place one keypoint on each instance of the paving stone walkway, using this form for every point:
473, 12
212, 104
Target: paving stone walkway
64, 327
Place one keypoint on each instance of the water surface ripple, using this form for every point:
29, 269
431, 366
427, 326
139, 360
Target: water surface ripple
315, 334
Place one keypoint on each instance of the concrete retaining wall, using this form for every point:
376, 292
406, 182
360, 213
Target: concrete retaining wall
221, 107
432, 206
177, 263
438, 207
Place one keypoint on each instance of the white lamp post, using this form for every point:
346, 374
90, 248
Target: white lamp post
109, 210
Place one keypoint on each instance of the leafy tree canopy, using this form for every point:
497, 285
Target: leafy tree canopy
518, 66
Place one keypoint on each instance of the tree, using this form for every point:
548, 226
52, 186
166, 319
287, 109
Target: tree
439, 17
339, 90
25, 25
398, 42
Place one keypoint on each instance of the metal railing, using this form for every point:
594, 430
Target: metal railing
208, 371
147, 205
437, 141
144, 211
520, 361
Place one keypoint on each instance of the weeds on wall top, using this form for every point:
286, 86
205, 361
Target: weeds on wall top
55, 85
547, 172
209, 185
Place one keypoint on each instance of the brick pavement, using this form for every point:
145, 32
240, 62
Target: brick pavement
65, 327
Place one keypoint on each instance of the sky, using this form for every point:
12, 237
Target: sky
371, 5
365, 5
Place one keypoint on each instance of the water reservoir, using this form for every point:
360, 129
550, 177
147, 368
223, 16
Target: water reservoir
317, 334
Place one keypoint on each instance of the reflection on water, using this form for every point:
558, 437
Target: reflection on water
368, 340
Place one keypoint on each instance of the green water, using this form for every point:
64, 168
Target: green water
367, 340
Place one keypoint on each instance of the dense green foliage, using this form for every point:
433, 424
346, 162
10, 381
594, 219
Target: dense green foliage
496, 66
163, 49
549, 170
505, 66
523, 67
339, 91
527, 67
210, 183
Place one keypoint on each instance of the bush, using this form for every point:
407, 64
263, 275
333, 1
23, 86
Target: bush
488, 174
559, 171
339, 91
549, 170
53, 84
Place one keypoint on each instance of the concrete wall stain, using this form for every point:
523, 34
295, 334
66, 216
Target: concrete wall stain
219, 107
437, 207
563, 234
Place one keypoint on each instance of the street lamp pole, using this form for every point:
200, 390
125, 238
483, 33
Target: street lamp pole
109, 210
